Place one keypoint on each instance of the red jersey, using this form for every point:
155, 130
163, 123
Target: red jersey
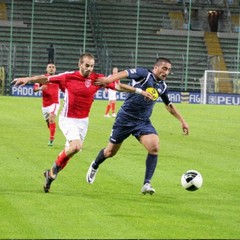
50, 94
79, 92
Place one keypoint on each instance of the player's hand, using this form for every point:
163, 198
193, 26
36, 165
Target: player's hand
147, 96
101, 81
20, 81
185, 128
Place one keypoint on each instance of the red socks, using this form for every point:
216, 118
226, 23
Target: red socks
108, 109
62, 159
113, 107
52, 129
110, 106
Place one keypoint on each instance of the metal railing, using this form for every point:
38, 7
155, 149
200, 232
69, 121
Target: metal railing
103, 53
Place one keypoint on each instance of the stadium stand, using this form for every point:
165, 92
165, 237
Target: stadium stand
51, 24
229, 45
161, 32
120, 33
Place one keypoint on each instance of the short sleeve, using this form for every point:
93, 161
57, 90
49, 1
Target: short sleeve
165, 98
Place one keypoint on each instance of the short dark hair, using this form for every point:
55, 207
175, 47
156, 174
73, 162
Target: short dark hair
162, 59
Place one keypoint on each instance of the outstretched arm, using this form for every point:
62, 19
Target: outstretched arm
121, 87
36, 79
112, 78
171, 108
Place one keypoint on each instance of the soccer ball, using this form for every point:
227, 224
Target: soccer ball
192, 180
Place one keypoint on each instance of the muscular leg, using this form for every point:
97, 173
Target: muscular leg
105, 153
64, 156
61, 161
151, 143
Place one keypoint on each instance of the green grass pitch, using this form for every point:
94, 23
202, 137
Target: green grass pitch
113, 207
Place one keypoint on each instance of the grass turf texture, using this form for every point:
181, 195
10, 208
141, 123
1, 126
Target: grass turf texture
113, 206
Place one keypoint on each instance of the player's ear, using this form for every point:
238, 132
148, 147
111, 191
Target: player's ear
79, 63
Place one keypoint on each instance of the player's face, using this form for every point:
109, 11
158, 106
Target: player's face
115, 70
86, 67
162, 70
51, 69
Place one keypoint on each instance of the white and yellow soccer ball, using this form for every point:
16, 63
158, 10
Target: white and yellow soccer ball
154, 93
192, 180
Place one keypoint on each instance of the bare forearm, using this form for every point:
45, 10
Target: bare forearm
121, 87
177, 115
174, 112
115, 77
36, 79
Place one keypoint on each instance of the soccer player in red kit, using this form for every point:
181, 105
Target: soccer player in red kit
50, 101
80, 89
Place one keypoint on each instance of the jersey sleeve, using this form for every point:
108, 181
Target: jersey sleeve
59, 78
165, 98
137, 73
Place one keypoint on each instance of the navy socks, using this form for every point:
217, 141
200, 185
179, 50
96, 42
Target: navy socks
151, 163
99, 159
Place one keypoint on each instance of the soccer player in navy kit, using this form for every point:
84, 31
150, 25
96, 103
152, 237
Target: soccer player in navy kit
134, 118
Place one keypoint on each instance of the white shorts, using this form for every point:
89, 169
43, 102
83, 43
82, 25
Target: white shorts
52, 109
73, 128
111, 94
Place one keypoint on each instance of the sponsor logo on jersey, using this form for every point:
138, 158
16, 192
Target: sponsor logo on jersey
154, 93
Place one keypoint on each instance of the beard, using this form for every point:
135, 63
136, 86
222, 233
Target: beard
86, 74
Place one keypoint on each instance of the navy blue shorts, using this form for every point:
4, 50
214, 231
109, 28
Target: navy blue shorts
125, 126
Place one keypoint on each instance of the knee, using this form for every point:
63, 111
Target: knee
51, 121
75, 148
51, 118
109, 153
154, 149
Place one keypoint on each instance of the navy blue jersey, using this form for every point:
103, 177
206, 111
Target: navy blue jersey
135, 105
